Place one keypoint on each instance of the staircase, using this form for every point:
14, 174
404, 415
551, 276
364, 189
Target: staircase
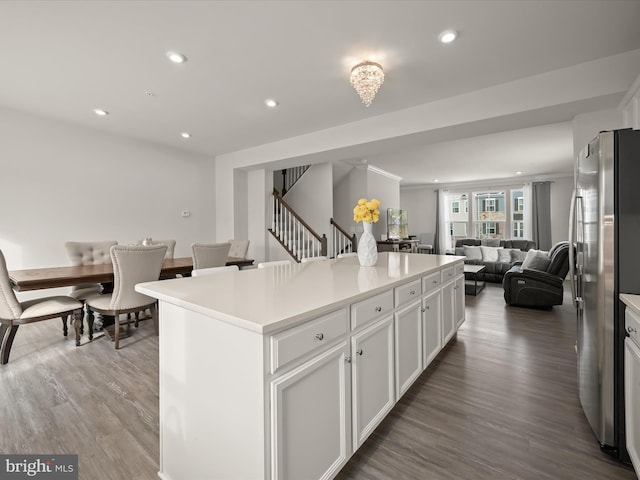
342, 241
293, 233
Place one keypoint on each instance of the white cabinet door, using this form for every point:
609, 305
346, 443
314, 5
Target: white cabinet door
458, 306
372, 377
431, 327
632, 400
448, 312
408, 346
310, 418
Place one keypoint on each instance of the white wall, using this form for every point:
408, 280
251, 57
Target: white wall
346, 195
586, 126
387, 190
561, 189
61, 182
420, 203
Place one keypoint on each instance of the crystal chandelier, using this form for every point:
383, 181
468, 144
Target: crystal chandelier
366, 78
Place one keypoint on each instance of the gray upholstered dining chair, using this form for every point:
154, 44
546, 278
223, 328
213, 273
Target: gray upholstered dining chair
171, 247
14, 313
426, 243
132, 264
239, 248
206, 255
88, 253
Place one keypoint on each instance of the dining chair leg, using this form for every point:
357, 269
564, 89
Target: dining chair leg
65, 330
77, 323
116, 335
7, 334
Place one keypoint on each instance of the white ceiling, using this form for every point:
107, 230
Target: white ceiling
62, 59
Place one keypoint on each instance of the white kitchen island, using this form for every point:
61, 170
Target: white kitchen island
283, 372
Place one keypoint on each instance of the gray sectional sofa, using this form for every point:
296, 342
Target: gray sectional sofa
498, 256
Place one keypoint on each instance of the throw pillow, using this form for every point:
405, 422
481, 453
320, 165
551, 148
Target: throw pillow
472, 253
489, 254
518, 255
460, 251
504, 255
536, 260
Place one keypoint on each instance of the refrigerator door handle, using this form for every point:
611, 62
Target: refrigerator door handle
572, 230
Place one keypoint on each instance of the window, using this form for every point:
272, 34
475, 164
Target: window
490, 215
518, 229
485, 214
517, 216
490, 205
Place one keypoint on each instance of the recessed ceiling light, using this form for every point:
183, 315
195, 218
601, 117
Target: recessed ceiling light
518, 172
185, 135
271, 103
435, 180
100, 112
176, 57
448, 36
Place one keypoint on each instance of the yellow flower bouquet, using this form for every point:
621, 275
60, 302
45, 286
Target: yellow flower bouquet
366, 211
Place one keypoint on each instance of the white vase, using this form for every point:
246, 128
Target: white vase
367, 247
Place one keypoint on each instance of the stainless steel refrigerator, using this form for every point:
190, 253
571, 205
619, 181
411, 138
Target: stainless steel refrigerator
605, 229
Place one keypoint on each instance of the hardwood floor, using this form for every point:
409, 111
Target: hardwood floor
500, 402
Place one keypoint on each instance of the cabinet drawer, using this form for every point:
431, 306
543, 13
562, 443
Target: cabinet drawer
298, 341
408, 292
459, 268
430, 282
632, 325
448, 274
367, 310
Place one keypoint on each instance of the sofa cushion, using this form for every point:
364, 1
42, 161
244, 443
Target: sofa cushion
536, 260
504, 255
524, 245
490, 242
517, 255
489, 254
472, 253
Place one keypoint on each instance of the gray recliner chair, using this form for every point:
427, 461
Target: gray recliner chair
527, 287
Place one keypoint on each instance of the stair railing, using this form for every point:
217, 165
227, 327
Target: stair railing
342, 241
293, 233
291, 175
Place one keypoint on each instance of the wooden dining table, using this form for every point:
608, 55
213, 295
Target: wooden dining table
41, 278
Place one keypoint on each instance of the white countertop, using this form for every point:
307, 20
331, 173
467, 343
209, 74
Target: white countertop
267, 299
631, 301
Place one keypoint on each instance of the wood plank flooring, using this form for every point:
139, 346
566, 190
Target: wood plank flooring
500, 402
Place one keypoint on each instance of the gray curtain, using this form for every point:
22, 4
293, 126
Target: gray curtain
541, 214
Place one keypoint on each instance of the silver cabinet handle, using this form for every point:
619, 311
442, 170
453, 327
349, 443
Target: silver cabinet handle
424, 310
631, 330
347, 359
319, 336
378, 309
412, 292
359, 351
435, 281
